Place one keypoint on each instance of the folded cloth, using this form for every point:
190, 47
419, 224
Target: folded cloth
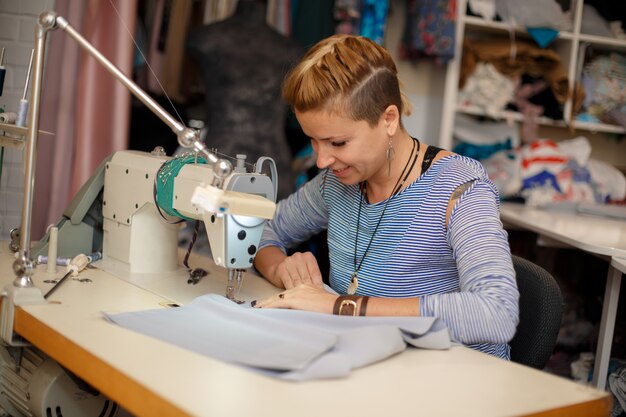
286, 344
617, 385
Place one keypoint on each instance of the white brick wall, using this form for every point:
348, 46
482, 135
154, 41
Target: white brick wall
17, 28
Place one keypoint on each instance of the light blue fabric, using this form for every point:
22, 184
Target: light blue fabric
287, 344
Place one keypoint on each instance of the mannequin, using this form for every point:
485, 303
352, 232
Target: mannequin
242, 61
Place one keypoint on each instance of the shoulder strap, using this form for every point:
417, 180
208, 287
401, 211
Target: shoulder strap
430, 154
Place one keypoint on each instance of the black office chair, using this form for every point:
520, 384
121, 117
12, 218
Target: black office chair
540, 314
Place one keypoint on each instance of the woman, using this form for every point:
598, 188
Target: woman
412, 230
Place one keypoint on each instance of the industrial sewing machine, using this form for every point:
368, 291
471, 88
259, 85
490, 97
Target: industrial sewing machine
143, 196
141, 237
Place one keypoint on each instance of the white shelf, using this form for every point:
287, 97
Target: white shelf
598, 127
613, 43
480, 24
507, 115
568, 48
545, 121
497, 26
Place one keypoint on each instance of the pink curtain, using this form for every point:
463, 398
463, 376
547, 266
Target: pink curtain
55, 153
88, 109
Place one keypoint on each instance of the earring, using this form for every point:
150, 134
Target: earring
390, 155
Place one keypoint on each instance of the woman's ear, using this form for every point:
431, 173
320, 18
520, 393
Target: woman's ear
391, 119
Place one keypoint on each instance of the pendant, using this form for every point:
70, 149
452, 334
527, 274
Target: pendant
354, 284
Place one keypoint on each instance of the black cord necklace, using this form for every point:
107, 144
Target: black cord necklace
404, 175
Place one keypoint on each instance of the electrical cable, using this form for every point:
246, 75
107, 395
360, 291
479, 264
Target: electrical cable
1, 162
195, 274
3, 70
143, 56
146, 61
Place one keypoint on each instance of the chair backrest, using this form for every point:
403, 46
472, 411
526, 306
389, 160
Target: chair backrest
541, 311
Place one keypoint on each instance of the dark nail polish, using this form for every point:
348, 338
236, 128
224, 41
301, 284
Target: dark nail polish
253, 303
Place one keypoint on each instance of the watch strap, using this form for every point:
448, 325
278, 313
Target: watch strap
363, 308
345, 305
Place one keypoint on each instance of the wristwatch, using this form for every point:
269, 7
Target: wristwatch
345, 305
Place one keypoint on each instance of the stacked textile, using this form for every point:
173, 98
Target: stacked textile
544, 172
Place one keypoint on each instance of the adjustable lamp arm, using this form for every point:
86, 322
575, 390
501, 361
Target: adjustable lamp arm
187, 137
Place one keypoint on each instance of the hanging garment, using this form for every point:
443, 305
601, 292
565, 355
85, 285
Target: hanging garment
348, 15
362, 17
373, 19
430, 30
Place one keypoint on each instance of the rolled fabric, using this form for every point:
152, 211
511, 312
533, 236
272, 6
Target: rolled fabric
9, 117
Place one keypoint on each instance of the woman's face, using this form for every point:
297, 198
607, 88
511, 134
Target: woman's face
353, 150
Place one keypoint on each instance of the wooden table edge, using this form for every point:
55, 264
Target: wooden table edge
113, 383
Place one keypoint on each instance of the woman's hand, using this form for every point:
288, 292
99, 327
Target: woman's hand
299, 268
302, 297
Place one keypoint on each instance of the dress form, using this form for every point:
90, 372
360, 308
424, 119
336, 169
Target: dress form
243, 61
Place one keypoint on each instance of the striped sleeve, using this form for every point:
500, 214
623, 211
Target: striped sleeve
486, 308
298, 217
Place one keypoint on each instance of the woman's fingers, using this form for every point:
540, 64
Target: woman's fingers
280, 300
313, 271
300, 268
302, 297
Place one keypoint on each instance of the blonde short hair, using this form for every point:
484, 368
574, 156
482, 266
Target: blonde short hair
348, 74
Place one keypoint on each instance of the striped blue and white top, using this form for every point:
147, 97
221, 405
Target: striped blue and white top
462, 273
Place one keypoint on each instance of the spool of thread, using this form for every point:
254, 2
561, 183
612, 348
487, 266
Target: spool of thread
52, 249
21, 116
43, 259
95, 256
8, 117
3, 72
165, 184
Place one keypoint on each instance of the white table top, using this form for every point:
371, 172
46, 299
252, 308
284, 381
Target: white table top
619, 264
459, 381
595, 234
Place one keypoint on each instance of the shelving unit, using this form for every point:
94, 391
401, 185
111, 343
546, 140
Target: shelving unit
567, 45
